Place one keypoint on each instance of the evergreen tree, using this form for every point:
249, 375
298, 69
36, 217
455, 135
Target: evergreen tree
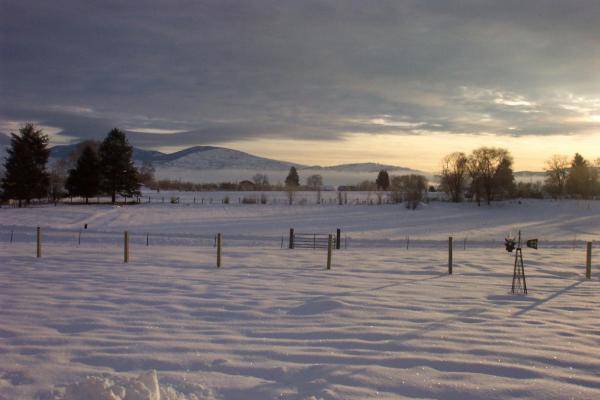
118, 173
580, 179
383, 180
84, 179
504, 179
292, 180
25, 167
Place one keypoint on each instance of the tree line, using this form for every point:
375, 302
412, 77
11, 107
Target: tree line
107, 168
487, 174
96, 169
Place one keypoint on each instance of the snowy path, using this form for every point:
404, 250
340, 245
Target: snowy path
273, 324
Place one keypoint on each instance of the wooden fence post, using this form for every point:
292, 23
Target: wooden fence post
338, 239
329, 245
39, 242
11, 236
126, 247
450, 255
291, 241
218, 250
588, 261
147, 238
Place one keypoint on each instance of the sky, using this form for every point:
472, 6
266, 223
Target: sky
313, 82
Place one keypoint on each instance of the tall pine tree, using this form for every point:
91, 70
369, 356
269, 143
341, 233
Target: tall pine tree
292, 180
84, 179
579, 181
383, 180
118, 173
25, 176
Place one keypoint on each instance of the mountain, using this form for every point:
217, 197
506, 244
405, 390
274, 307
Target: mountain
366, 167
217, 164
206, 157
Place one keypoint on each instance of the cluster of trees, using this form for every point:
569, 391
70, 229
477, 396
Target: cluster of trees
405, 188
104, 168
487, 173
577, 178
484, 174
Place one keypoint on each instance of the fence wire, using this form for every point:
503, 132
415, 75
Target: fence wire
89, 237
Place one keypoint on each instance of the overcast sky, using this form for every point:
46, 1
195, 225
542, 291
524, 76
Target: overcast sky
316, 82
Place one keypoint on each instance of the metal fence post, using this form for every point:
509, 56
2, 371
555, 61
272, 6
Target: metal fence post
450, 255
125, 247
218, 250
588, 261
38, 242
329, 245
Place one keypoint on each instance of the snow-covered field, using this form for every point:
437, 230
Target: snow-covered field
385, 322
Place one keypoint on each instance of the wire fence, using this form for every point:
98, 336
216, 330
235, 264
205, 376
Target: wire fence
316, 240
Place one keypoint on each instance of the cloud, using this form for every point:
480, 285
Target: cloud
213, 72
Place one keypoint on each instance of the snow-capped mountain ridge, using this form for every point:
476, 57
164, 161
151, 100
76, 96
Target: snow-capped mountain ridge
218, 158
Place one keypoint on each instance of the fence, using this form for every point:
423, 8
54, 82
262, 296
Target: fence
222, 197
47, 237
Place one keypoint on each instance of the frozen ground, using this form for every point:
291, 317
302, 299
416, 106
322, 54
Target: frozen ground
375, 225
385, 322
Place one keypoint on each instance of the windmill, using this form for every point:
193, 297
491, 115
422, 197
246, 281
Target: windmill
519, 283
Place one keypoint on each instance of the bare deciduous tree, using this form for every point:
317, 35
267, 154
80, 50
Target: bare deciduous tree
557, 170
454, 175
409, 188
315, 182
261, 181
491, 172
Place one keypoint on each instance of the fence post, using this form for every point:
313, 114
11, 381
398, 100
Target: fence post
147, 238
218, 250
11, 236
450, 255
126, 247
79, 238
291, 241
588, 261
338, 239
39, 242
329, 240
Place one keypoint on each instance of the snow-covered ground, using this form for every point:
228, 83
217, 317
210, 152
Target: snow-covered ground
385, 322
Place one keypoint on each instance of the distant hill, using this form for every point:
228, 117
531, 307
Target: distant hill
213, 164
211, 157
366, 167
